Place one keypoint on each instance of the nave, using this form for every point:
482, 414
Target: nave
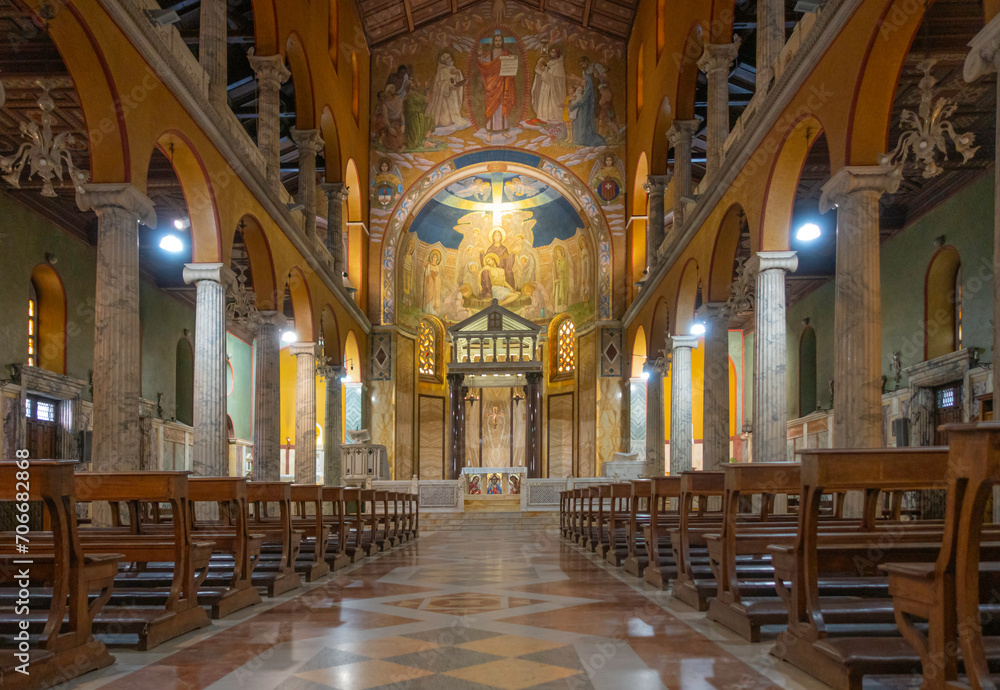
470, 610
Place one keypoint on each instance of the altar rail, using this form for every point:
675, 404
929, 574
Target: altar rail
441, 495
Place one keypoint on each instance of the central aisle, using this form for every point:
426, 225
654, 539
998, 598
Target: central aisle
459, 610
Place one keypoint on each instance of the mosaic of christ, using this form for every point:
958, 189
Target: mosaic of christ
497, 236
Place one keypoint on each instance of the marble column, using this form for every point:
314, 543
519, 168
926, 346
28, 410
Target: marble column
681, 417
533, 426
655, 441
271, 74
336, 195
655, 186
309, 143
333, 429
857, 332
211, 436
715, 437
983, 59
117, 377
213, 50
267, 397
456, 401
770, 394
305, 412
715, 62
681, 133
770, 40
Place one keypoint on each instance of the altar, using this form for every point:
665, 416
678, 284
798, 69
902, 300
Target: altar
493, 481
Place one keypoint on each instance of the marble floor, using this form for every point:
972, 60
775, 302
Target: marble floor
461, 610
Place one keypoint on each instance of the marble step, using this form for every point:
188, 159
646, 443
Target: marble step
444, 522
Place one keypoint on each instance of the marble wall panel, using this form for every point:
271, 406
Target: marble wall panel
383, 422
587, 387
405, 393
637, 417
560, 435
609, 420
431, 437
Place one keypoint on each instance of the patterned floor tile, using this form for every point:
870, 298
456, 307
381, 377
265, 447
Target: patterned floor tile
387, 646
512, 674
510, 645
444, 659
363, 675
330, 657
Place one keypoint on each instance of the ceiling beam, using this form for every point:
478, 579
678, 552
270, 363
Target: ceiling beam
586, 13
409, 15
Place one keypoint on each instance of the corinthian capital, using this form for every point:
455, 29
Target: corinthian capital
682, 131
852, 179
719, 56
336, 192
307, 139
99, 197
656, 184
270, 68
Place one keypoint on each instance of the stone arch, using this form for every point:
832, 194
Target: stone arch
727, 244
352, 357
942, 302
687, 298
265, 25
574, 190
50, 319
638, 352
333, 41
265, 285
199, 197
779, 197
661, 145
355, 209
637, 228
687, 72
298, 63
331, 144
330, 329
658, 328
302, 303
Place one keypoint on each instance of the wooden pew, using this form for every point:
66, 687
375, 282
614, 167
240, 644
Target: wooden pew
636, 559
661, 567
700, 485
616, 519
355, 524
597, 541
276, 572
61, 641
946, 593
126, 613
336, 550
308, 499
863, 644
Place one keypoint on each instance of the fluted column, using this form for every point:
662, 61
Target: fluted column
456, 400
857, 333
715, 63
681, 418
211, 437
213, 49
655, 441
681, 133
117, 377
715, 436
271, 74
309, 143
655, 186
770, 40
533, 426
770, 409
333, 428
267, 397
336, 195
984, 58
305, 412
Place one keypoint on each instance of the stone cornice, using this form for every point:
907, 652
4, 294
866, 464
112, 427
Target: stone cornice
297, 349
189, 84
831, 20
852, 179
689, 341
773, 261
212, 272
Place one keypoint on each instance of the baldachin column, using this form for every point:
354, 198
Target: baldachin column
983, 59
211, 436
770, 409
336, 195
456, 401
334, 427
271, 74
305, 412
309, 143
715, 63
715, 443
681, 133
655, 441
213, 50
681, 418
857, 332
655, 186
533, 425
117, 377
267, 397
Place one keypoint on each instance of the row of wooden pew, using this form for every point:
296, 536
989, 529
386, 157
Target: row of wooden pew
163, 554
842, 596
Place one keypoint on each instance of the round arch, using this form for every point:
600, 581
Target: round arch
639, 196
261, 262
687, 298
638, 352
353, 181
779, 199
661, 145
298, 288
305, 109
352, 357
727, 244
331, 335
687, 73
331, 141
658, 328
50, 319
942, 303
265, 25
637, 228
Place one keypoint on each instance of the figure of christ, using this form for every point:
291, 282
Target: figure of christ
500, 91
494, 282
504, 258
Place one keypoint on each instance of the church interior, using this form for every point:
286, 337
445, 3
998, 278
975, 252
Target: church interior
499, 344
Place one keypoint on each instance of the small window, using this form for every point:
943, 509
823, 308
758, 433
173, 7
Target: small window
427, 349
949, 397
566, 348
40, 410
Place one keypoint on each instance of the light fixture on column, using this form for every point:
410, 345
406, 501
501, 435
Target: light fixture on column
697, 328
288, 337
926, 131
808, 232
45, 154
518, 386
171, 243
182, 223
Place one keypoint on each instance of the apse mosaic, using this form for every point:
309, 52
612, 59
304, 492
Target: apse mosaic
532, 108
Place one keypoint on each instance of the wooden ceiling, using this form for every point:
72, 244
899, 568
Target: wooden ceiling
384, 20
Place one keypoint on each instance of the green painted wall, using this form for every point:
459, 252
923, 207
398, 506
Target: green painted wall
239, 402
966, 222
163, 321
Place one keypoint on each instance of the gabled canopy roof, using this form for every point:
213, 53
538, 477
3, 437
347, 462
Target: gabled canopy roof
509, 322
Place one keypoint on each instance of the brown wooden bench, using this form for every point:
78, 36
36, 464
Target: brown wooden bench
661, 567
636, 559
334, 510
276, 571
616, 519
307, 517
61, 644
